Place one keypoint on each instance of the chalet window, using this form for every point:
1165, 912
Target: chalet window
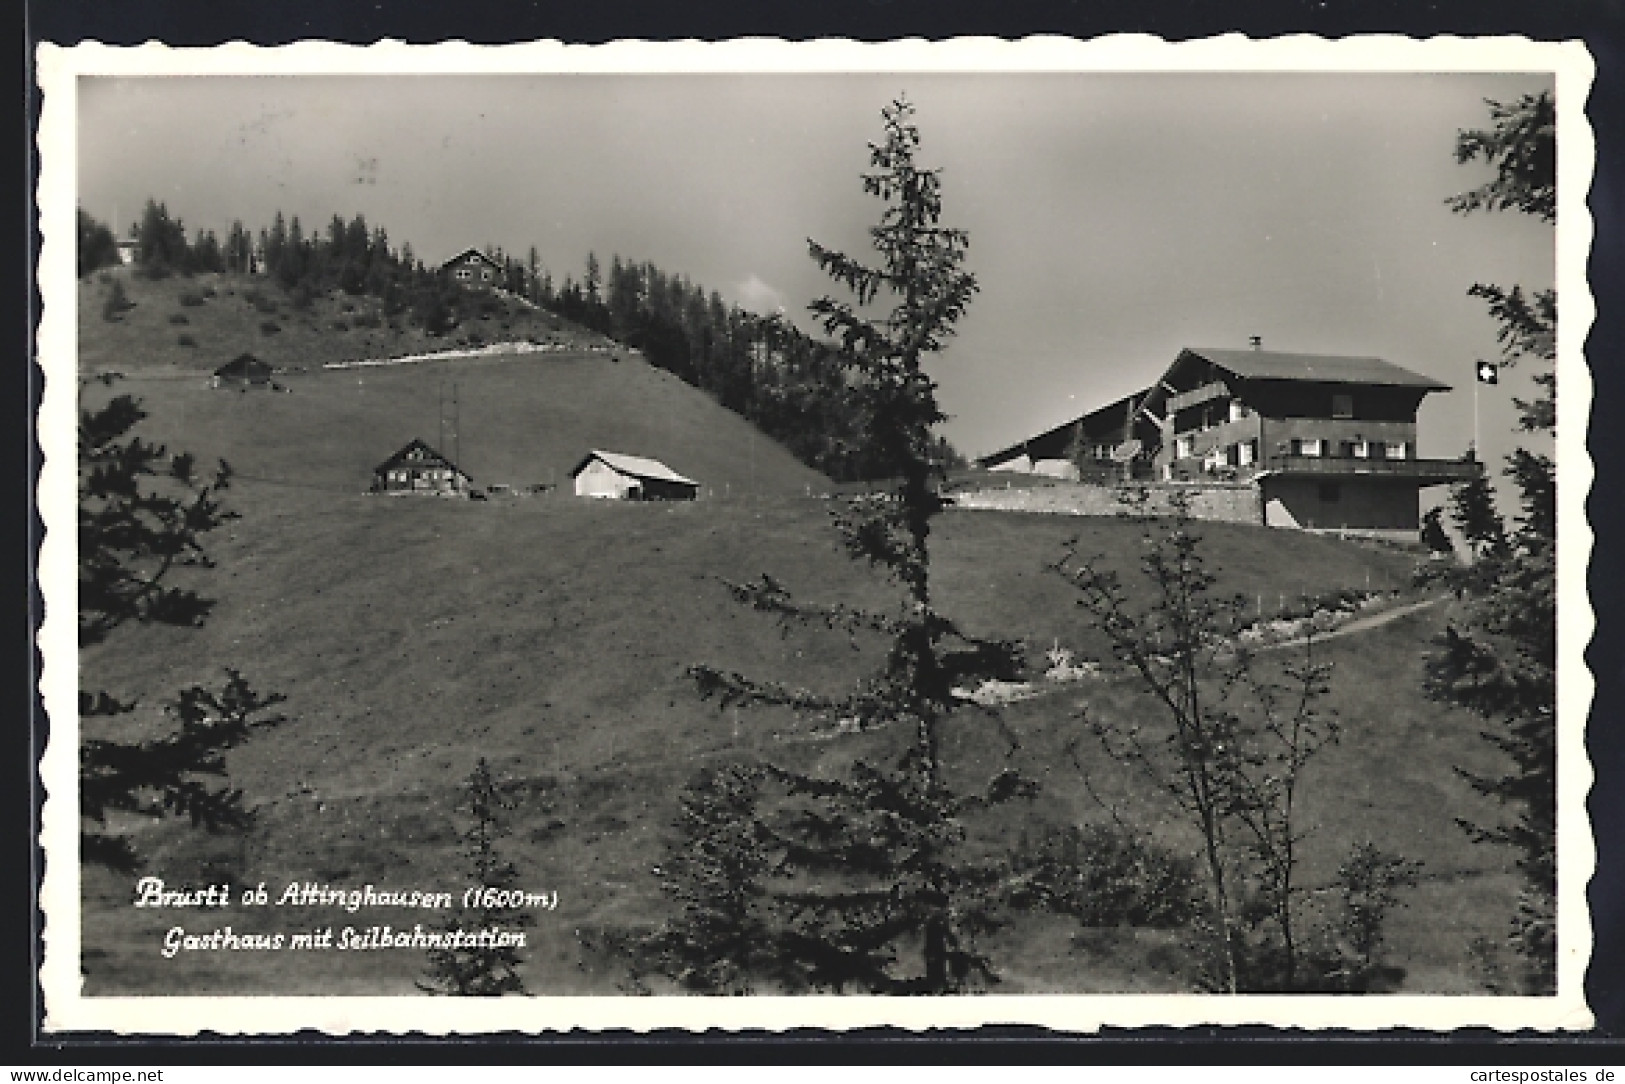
1362, 449
1375, 449
1238, 410
1330, 492
1182, 448
1345, 449
1342, 406
1310, 447
1246, 452
1402, 450
464, 273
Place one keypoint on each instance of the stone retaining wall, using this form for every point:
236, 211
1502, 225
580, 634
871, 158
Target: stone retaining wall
1231, 502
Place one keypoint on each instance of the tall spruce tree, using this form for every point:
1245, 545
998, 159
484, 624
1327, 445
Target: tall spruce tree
1499, 659
1472, 506
482, 970
97, 248
161, 246
868, 884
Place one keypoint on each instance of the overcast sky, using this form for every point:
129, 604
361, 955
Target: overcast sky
1113, 217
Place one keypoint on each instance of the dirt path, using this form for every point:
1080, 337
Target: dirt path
1033, 690
1359, 624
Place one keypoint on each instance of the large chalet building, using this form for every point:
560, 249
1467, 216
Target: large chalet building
1327, 442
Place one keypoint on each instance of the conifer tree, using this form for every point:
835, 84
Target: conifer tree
488, 971
870, 885
97, 249
161, 246
1472, 506
593, 280
722, 938
1433, 533
1499, 659
143, 513
1521, 147
239, 254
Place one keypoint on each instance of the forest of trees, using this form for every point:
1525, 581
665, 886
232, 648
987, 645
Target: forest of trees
792, 386
795, 388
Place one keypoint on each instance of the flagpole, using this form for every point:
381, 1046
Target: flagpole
1477, 455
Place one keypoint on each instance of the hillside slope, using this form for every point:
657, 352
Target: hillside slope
552, 636
519, 418
200, 322
523, 419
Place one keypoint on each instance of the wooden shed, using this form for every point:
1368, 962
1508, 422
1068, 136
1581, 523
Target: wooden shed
243, 371
630, 478
419, 469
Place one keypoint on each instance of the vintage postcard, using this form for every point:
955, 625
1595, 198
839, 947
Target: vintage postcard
753, 535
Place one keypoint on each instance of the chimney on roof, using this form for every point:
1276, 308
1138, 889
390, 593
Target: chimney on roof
1256, 341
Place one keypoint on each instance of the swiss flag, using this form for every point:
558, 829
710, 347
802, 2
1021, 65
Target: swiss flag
1489, 373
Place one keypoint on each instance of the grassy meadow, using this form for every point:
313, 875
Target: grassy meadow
551, 636
200, 322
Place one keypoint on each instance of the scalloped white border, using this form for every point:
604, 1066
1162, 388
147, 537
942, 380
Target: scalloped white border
67, 1009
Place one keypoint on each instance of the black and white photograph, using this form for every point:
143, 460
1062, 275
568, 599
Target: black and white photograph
1053, 532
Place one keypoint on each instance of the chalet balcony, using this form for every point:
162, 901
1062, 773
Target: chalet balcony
1207, 393
1426, 471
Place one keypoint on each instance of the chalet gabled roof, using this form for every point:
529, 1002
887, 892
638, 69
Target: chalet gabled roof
474, 252
244, 365
1313, 368
1111, 413
428, 457
635, 466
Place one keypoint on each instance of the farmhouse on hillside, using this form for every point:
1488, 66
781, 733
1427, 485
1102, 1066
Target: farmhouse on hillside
1323, 442
419, 469
631, 478
243, 371
471, 267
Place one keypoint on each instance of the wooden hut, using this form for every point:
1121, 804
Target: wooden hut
243, 371
419, 469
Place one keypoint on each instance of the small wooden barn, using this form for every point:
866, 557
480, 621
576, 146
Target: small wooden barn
419, 469
630, 478
243, 371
